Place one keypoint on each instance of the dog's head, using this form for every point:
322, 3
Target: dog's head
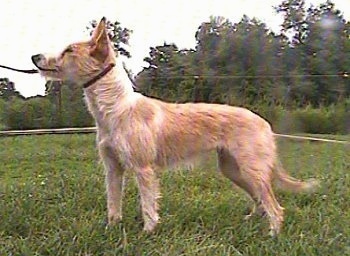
81, 61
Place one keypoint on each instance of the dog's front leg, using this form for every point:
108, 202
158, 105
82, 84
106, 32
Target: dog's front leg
149, 192
114, 184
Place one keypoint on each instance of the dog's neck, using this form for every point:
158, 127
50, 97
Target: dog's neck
111, 93
98, 76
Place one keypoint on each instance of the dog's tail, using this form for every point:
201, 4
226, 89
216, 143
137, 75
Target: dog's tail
284, 181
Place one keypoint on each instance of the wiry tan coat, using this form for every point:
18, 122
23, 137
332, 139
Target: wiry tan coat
142, 134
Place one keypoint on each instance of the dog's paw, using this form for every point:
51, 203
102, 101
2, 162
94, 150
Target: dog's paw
114, 219
247, 217
150, 226
255, 212
273, 233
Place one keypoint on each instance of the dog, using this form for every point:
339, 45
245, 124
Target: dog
144, 135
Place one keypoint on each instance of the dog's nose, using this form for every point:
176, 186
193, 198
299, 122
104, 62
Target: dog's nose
37, 58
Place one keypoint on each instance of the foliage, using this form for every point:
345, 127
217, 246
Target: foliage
32, 113
53, 202
52, 111
7, 89
2, 114
334, 119
306, 64
75, 112
331, 120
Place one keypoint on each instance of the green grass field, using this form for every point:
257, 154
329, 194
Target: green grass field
52, 202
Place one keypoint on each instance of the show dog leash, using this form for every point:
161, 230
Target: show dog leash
85, 85
27, 71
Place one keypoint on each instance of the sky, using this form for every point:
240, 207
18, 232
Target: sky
29, 27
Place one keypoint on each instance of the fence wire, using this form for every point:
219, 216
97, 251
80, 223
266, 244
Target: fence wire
340, 75
93, 130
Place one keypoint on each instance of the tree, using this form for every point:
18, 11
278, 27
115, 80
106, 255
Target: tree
294, 25
161, 70
239, 55
7, 89
225, 53
68, 105
74, 112
327, 52
31, 113
320, 47
54, 94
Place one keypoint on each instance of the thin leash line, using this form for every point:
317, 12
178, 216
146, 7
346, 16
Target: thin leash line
312, 138
27, 71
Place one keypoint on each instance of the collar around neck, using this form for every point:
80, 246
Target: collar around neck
99, 76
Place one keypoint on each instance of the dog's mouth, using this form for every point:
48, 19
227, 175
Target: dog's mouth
46, 69
37, 59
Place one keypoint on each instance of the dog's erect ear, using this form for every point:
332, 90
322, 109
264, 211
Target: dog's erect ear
100, 41
101, 26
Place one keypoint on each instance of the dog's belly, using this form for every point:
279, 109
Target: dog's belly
184, 148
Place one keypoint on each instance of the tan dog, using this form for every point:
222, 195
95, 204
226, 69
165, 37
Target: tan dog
142, 134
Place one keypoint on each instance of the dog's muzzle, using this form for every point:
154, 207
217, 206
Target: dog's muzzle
40, 58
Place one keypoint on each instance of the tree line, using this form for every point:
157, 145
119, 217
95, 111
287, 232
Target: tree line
298, 75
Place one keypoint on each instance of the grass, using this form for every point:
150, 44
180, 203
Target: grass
52, 202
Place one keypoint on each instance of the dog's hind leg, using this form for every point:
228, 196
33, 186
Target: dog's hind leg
270, 205
252, 177
114, 183
149, 192
230, 169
